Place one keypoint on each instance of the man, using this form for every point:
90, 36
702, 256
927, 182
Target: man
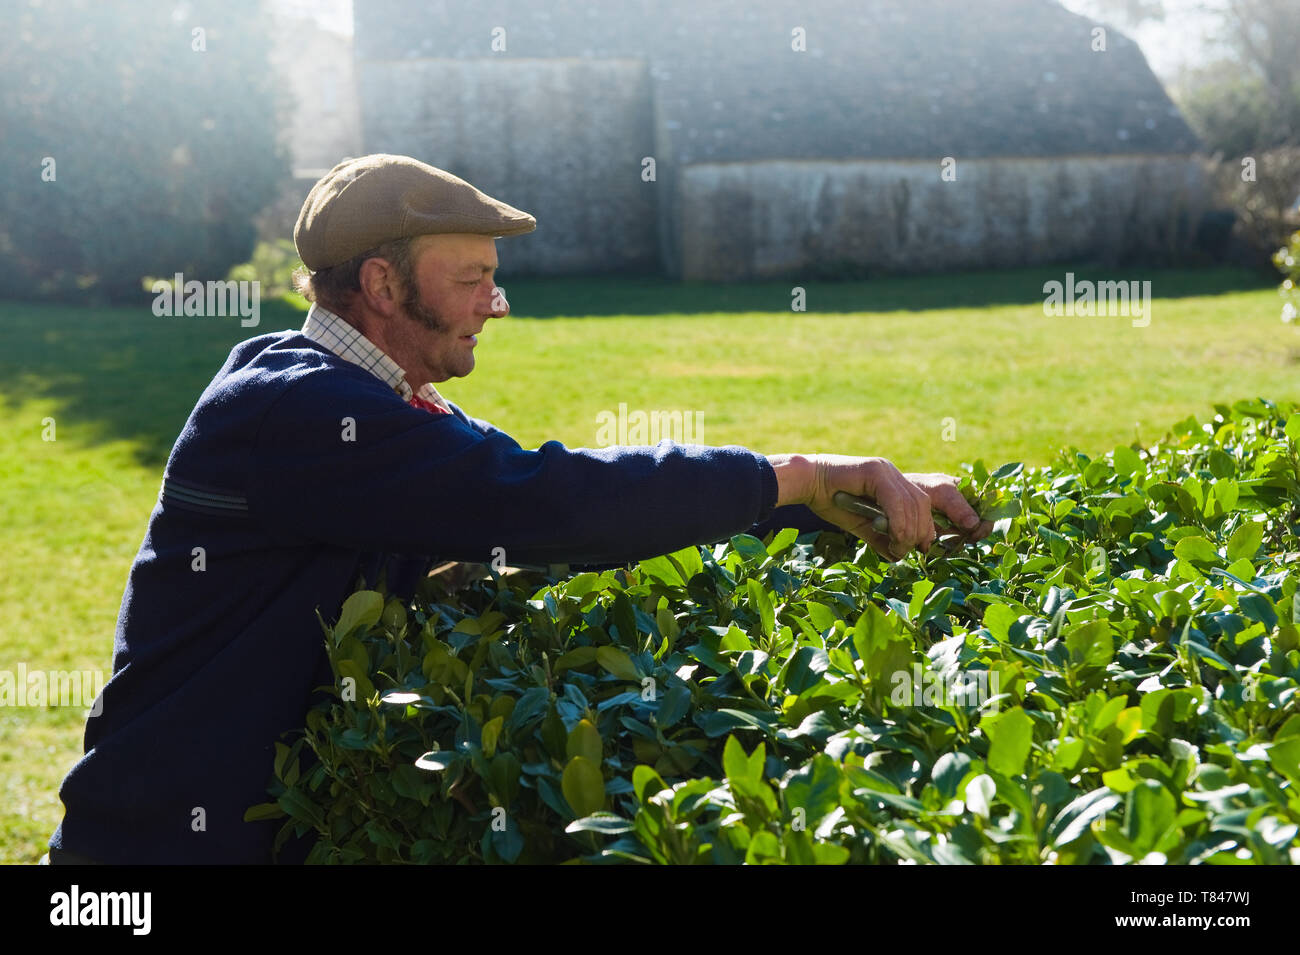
320, 457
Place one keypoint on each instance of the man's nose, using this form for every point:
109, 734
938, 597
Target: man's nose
498, 307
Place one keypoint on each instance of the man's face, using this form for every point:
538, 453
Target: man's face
453, 297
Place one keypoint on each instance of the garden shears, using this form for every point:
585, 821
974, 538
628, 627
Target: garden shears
865, 507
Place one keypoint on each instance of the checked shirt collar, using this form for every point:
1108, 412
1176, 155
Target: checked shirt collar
334, 333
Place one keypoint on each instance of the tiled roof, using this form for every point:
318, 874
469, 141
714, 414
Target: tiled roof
879, 78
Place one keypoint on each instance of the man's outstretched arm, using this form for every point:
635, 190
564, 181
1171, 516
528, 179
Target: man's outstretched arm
401, 480
906, 499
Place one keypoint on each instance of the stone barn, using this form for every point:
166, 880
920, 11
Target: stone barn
760, 139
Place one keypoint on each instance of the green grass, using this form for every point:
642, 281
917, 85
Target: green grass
871, 368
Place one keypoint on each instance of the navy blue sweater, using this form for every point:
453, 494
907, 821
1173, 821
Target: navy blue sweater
296, 474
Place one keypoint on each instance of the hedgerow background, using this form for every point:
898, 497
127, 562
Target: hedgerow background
1133, 613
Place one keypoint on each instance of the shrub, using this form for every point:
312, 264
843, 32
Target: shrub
272, 265
1129, 631
1264, 203
165, 143
1287, 260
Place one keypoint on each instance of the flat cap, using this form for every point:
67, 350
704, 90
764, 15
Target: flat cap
364, 202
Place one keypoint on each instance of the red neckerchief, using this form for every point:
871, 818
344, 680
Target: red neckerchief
418, 402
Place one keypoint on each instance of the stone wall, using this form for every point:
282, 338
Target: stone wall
561, 139
812, 218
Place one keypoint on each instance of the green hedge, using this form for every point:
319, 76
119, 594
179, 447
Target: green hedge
1111, 677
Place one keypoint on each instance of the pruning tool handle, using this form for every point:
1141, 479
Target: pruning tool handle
880, 523
863, 507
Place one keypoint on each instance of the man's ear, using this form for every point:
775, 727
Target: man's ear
381, 287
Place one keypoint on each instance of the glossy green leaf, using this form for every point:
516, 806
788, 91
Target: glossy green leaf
577, 657
782, 540
1090, 644
742, 770
814, 788
436, 761
584, 740
1149, 816
1245, 541
361, 609
617, 662
979, 795
490, 733
583, 786
1011, 735
761, 601
646, 783
1074, 820
1198, 550
606, 823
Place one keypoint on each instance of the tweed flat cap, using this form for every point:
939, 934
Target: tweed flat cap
364, 202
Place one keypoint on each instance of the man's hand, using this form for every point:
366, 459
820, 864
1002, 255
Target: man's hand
906, 499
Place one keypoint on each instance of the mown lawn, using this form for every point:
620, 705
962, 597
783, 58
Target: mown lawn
890, 367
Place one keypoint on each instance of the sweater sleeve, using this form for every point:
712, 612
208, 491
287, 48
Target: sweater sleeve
478, 424
798, 516
340, 461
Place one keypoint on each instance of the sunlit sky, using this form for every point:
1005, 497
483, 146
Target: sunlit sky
333, 15
1168, 45
1180, 39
